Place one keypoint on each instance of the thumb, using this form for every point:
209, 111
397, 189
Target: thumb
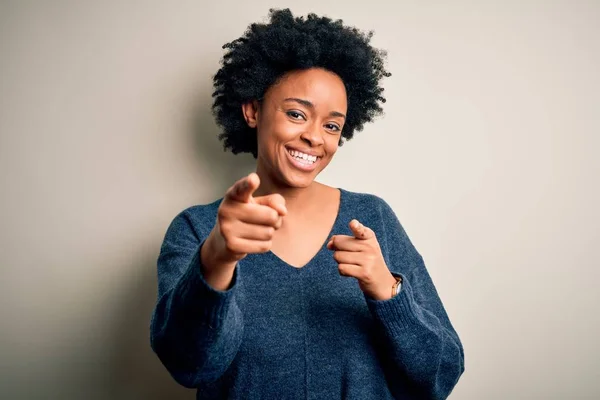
242, 190
275, 201
360, 231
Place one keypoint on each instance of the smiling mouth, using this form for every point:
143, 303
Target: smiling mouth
301, 157
303, 161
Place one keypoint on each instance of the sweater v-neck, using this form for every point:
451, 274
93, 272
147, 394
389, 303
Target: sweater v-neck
334, 228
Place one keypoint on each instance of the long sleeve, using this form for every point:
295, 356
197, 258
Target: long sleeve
422, 345
195, 330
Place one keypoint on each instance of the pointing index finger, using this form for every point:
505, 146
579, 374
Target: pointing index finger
242, 190
359, 230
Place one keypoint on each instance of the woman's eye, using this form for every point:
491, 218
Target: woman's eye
332, 127
295, 115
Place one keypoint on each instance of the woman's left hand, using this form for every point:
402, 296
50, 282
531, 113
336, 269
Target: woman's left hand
360, 256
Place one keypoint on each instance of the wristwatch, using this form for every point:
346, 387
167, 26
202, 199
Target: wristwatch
397, 286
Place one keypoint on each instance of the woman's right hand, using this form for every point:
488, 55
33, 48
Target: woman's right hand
244, 224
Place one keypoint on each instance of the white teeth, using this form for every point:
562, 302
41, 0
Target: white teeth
303, 157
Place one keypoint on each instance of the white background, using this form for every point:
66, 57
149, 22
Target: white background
487, 153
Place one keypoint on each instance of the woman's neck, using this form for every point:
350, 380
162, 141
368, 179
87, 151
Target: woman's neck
296, 198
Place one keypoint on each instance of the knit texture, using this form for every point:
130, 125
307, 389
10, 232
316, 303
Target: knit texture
281, 332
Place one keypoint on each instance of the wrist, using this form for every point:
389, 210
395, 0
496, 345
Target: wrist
214, 255
216, 271
385, 289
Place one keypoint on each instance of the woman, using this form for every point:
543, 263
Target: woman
286, 288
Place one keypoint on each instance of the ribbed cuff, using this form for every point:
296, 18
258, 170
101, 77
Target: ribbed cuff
208, 304
398, 313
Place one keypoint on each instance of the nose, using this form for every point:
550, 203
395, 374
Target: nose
313, 136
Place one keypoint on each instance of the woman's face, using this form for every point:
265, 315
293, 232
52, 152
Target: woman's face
299, 125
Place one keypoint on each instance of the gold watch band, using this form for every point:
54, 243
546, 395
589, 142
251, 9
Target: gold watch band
395, 285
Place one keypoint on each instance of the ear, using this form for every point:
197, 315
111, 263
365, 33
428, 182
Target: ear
250, 110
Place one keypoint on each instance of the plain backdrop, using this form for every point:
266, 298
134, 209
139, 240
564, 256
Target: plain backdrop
487, 153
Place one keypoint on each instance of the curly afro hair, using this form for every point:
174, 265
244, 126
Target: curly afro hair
266, 52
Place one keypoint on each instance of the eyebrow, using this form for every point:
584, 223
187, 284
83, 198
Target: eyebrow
308, 104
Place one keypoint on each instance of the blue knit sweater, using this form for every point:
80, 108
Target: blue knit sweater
282, 332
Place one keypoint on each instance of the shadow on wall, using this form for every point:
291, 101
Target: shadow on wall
136, 371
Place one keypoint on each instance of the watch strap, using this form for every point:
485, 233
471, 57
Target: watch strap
396, 286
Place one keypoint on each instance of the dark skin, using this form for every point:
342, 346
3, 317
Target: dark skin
305, 111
